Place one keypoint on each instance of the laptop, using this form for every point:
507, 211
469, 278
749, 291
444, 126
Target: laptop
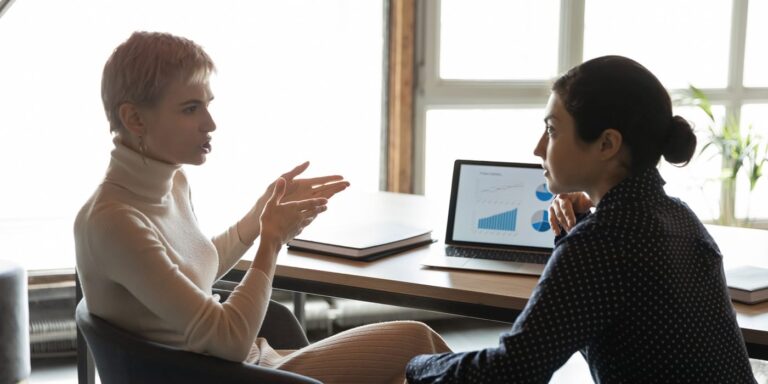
498, 219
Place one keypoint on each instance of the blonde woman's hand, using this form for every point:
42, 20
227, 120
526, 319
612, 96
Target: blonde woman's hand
302, 189
565, 207
282, 220
249, 227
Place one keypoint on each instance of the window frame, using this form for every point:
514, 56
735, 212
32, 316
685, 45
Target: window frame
433, 92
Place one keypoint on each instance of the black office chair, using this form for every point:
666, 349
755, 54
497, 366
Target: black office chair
122, 357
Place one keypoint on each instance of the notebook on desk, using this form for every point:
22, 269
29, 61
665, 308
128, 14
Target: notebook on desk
498, 219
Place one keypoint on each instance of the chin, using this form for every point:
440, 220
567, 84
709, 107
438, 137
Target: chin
553, 187
197, 161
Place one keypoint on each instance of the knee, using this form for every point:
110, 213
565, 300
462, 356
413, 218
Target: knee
426, 337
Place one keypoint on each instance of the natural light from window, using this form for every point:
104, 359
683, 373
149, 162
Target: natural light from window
477, 134
297, 80
756, 56
492, 39
752, 205
681, 41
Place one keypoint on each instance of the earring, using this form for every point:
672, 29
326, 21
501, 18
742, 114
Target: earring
142, 149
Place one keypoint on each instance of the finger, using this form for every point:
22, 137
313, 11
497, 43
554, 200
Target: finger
584, 203
306, 222
278, 192
313, 211
557, 209
553, 222
329, 190
309, 204
288, 176
323, 179
566, 212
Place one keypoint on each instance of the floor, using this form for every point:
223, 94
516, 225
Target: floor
461, 335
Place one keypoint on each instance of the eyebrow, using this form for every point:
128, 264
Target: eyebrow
550, 117
195, 101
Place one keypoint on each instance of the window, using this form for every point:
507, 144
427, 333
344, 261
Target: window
477, 43
297, 80
659, 34
484, 102
756, 60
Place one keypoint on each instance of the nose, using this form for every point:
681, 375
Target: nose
209, 125
541, 147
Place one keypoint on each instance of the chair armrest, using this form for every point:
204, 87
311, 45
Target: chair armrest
282, 329
122, 357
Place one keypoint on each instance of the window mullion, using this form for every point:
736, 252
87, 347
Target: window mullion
571, 42
736, 57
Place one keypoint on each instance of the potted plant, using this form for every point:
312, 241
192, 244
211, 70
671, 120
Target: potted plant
738, 152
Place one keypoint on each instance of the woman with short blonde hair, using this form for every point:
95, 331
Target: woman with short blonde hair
146, 267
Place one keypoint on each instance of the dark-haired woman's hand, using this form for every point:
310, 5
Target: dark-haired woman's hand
565, 207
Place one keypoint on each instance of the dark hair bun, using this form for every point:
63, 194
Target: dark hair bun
681, 141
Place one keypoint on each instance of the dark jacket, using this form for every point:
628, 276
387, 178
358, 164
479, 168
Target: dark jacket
637, 287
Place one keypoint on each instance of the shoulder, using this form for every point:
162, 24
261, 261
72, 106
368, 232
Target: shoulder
591, 243
109, 217
593, 228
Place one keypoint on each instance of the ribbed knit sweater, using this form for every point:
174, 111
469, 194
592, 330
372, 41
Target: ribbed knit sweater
145, 266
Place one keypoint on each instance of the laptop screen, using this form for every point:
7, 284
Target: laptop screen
500, 205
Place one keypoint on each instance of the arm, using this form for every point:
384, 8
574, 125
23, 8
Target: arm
577, 298
135, 257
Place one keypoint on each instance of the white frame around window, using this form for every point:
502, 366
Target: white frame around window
434, 92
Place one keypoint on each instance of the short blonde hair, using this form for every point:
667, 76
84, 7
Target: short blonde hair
141, 68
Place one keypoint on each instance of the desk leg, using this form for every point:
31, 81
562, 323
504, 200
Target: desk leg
299, 299
85, 368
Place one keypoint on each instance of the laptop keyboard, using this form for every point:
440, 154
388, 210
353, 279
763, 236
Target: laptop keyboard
517, 256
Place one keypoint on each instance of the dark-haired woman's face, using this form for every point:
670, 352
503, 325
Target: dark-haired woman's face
569, 163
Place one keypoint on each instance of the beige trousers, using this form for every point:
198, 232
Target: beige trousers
373, 353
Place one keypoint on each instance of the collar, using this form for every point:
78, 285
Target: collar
145, 177
647, 185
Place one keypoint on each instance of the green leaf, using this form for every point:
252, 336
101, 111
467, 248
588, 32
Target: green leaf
702, 101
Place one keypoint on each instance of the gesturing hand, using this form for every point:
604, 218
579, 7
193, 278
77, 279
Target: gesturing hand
282, 220
302, 189
563, 210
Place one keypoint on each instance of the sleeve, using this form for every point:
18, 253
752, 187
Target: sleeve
136, 259
577, 298
580, 217
230, 249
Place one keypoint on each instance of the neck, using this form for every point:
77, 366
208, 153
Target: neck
605, 183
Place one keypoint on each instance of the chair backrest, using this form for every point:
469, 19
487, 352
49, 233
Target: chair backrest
122, 357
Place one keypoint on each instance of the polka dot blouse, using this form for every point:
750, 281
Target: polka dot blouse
637, 287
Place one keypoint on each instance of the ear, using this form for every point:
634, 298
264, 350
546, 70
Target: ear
131, 118
610, 143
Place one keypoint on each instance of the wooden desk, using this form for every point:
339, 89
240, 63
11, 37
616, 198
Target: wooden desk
401, 280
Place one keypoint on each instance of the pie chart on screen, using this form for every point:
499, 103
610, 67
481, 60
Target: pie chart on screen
543, 194
540, 221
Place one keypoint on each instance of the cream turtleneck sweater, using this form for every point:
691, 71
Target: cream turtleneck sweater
146, 267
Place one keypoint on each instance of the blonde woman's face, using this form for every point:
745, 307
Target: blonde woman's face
178, 127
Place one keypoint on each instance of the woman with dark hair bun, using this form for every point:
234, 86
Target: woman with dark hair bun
635, 283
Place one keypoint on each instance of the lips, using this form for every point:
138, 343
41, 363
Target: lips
206, 147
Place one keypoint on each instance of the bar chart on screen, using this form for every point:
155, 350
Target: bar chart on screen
504, 221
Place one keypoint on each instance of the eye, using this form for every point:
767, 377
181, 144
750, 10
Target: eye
549, 129
190, 109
